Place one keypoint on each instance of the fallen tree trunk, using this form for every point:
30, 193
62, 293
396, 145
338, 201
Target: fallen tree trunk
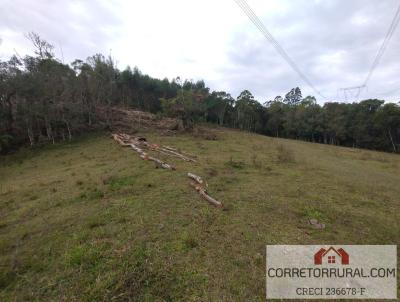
177, 154
198, 179
168, 151
134, 142
127, 140
119, 140
136, 148
161, 163
180, 152
199, 184
170, 148
205, 195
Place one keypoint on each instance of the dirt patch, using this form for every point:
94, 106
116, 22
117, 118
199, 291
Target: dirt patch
131, 121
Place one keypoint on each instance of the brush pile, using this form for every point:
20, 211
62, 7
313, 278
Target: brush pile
129, 120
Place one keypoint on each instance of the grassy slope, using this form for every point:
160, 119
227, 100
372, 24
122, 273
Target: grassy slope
91, 221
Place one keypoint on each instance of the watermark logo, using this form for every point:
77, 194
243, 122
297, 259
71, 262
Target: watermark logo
331, 272
331, 255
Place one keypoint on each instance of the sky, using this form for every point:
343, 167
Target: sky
333, 42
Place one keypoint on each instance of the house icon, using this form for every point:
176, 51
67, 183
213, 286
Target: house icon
330, 256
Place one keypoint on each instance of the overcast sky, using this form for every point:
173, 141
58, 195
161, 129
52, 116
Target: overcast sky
332, 41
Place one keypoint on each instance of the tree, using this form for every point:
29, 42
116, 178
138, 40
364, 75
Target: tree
362, 128
42, 48
248, 112
387, 120
44, 100
217, 104
293, 97
275, 118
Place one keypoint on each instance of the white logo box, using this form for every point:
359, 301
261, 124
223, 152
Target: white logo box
331, 271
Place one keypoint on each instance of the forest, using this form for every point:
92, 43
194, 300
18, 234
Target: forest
44, 100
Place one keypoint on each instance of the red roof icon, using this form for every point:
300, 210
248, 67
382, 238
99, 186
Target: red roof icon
318, 256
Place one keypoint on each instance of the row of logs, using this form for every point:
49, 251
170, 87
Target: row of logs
135, 143
138, 143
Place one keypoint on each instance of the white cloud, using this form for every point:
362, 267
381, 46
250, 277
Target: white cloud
333, 42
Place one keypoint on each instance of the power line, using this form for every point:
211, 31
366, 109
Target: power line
381, 51
378, 56
257, 22
252, 16
385, 43
349, 89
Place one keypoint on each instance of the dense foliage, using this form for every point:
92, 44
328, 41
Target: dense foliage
42, 99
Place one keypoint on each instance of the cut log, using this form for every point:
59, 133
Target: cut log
203, 193
127, 140
154, 147
198, 179
144, 156
176, 154
170, 148
161, 163
137, 149
192, 157
119, 140
134, 142
210, 199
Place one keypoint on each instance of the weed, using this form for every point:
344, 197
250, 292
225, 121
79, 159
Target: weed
256, 163
7, 277
95, 194
285, 154
95, 222
189, 242
118, 183
82, 255
75, 256
267, 169
212, 172
313, 213
235, 164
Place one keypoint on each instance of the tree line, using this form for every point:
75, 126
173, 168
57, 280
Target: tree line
43, 99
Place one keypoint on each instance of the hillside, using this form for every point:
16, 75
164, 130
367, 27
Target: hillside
90, 221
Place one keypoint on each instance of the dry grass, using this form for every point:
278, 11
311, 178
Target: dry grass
90, 221
285, 154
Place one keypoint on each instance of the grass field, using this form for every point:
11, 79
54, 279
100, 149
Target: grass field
91, 221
